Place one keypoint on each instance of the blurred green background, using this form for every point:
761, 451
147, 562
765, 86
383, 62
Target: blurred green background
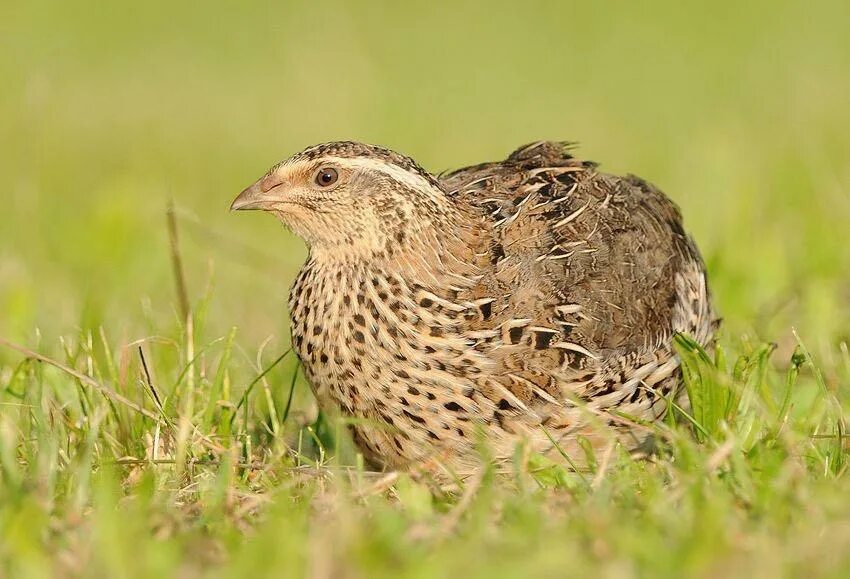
739, 111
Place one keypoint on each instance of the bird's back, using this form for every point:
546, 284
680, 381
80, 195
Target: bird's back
568, 236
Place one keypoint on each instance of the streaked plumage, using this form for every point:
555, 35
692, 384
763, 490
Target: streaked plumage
530, 299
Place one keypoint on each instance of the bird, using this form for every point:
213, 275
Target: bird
529, 303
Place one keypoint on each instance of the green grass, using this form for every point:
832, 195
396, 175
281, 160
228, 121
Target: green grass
136, 444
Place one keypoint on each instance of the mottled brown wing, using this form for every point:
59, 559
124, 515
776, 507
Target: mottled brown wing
590, 255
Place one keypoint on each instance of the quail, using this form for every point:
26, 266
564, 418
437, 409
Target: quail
531, 301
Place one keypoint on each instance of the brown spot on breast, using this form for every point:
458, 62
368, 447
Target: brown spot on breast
413, 417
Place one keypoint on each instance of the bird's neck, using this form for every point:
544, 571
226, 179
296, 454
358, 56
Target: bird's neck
446, 246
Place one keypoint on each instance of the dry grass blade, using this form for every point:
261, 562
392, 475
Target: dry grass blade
718, 458
177, 262
380, 485
105, 390
452, 519
603, 466
148, 381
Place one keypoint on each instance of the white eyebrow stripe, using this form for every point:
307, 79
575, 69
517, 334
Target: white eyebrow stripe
397, 173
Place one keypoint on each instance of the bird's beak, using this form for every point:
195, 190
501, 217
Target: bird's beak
254, 197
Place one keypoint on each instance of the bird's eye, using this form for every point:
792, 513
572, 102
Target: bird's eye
326, 177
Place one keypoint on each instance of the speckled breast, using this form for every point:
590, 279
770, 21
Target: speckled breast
371, 350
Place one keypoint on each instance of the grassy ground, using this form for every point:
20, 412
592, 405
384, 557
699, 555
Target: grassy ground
135, 443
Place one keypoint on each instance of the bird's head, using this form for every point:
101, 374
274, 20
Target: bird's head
347, 197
